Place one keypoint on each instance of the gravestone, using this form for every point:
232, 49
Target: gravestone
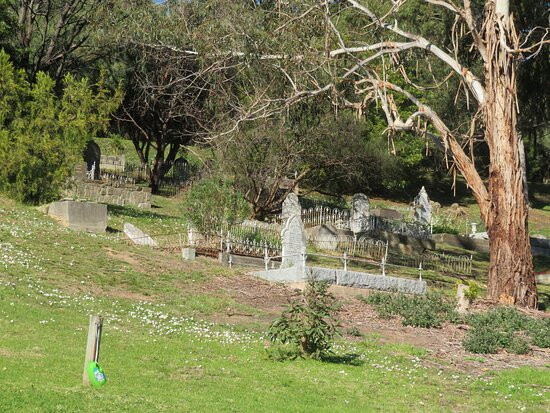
463, 303
386, 213
422, 208
92, 157
294, 242
137, 236
85, 216
291, 207
180, 170
325, 237
360, 212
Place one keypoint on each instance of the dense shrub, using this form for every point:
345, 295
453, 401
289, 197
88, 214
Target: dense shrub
211, 203
428, 311
42, 135
309, 325
505, 328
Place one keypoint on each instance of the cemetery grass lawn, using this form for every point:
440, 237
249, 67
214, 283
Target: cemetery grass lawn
163, 351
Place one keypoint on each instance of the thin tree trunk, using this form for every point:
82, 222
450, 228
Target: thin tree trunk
511, 276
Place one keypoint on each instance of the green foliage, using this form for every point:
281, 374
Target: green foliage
473, 290
505, 328
42, 136
428, 311
311, 324
539, 330
502, 328
117, 143
211, 203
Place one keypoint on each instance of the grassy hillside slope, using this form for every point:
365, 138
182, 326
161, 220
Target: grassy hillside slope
167, 345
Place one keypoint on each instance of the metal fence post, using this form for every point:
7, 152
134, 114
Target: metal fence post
345, 261
266, 256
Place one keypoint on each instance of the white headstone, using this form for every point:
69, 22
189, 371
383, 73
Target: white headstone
422, 208
291, 206
463, 303
138, 236
360, 212
294, 242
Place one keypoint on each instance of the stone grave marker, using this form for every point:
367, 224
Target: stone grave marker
291, 206
360, 212
422, 208
137, 236
84, 216
92, 157
294, 242
180, 170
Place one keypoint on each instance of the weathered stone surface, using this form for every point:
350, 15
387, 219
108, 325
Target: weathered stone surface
111, 193
282, 274
138, 236
293, 242
380, 282
422, 208
325, 237
360, 212
291, 206
462, 242
92, 157
85, 216
386, 213
188, 254
405, 244
480, 235
463, 303
346, 278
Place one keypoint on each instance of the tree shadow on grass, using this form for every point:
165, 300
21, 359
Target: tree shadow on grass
118, 211
350, 359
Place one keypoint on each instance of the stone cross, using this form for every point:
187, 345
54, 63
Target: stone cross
294, 242
360, 212
291, 206
422, 208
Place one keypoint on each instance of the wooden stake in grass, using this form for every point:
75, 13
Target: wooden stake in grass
92, 345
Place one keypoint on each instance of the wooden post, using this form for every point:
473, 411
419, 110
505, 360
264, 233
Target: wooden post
92, 345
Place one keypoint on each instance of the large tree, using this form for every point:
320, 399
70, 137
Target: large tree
352, 50
373, 45
56, 36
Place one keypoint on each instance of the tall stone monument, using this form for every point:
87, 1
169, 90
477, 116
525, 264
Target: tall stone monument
291, 206
360, 213
294, 242
422, 208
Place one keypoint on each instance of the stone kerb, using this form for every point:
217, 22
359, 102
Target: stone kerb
293, 242
347, 279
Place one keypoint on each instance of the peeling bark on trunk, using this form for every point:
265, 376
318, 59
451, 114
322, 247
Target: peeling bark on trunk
511, 276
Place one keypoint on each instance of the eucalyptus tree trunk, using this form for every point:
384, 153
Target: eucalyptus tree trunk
511, 276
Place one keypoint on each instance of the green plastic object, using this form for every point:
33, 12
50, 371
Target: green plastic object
96, 374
